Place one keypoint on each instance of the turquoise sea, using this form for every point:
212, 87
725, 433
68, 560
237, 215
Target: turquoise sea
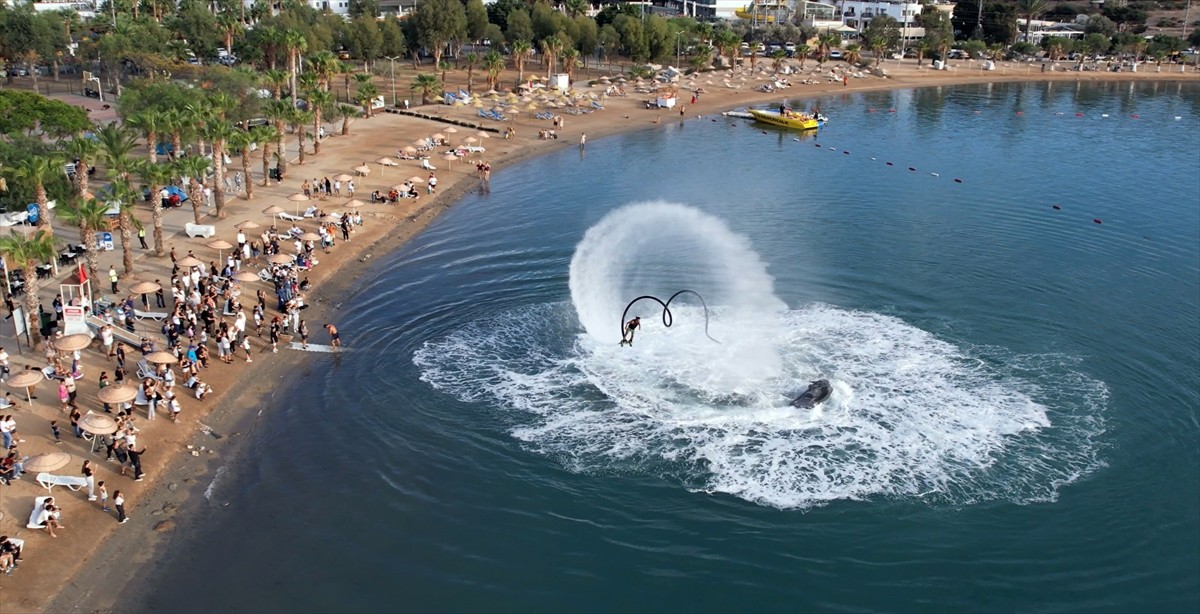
1009, 312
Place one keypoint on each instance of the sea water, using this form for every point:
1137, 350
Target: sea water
1001, 282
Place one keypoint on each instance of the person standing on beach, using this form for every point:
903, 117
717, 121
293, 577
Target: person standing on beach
135, 461
89, 475
102, 490
583, 140
119, 503
112, 278
334, 338
303, 330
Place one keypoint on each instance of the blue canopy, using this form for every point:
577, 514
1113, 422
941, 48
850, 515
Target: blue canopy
177, 191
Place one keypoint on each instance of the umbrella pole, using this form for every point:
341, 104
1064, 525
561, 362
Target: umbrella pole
28, 396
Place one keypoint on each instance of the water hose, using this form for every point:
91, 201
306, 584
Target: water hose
667, 317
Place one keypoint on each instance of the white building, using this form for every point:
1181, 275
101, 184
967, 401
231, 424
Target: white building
1040, 29
85, 8
857, 13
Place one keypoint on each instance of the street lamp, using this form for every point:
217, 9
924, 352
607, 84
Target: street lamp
677, 35
392, 60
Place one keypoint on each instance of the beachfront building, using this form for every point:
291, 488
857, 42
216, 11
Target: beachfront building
856, 14
85, 8
720, 9
1039, 29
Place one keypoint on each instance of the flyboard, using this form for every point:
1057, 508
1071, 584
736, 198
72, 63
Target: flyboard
667, 317
314, 347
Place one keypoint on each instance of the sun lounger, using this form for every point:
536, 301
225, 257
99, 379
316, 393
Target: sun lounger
49, 481
426, 165
149, 315
199, 230
38, 505
144, 370
310, 212
289, 217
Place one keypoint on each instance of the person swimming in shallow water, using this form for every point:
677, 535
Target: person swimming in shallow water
630, 327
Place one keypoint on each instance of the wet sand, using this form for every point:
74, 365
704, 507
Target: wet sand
94, 565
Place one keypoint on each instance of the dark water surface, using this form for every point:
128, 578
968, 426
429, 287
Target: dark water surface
1016, 424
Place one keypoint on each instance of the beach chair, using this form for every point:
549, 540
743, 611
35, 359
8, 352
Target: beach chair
49, 481
39, 504
289, 217
310, 212
426, 165
144, 370
157, 316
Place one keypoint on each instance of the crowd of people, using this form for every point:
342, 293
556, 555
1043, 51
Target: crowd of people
206, 312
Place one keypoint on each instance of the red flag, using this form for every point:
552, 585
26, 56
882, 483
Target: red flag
82, 274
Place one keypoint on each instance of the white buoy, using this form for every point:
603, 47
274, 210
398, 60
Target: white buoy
1104, 115
872, 158
1178, 117
833, 148
935, 174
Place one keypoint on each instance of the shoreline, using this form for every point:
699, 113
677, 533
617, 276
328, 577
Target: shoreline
176, 481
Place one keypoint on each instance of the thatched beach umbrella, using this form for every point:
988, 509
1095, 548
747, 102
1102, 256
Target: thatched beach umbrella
451, 130
247, 225
73, 343
450, 159
100, 424
144, 287
161, 358
343, 177
25, 380
310, 236
47, 461
298, 198
245, 276
220, 245
188, 262
483, 135
409, 149
416, 179
273, 210
362, 169
438, 137
385, 161
354, 204
280, 259
117, 393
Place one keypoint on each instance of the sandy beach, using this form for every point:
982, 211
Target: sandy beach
93, 564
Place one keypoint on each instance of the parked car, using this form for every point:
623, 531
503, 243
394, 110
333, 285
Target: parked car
836, 54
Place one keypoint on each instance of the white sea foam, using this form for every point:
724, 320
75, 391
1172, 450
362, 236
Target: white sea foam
912, 415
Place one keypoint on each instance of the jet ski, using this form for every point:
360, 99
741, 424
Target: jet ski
816, 393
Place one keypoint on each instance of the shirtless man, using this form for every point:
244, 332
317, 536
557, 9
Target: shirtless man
334, 339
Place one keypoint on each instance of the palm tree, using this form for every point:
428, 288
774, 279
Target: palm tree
520, 52
471, 59
265, 137
150, 123
346, 111
727, 43
365, 92
155, 176
324, 64
37, 170
570, 60
853, 53
86, 151
296, 44
777, 60
116, 145
299, 119
493, 63
89, 215
318, 100
426, 84
178, 124
195, 168
826, 42
242, 141
551, 46
802, 52
217, 131
278, 112
26, 253
1031, 9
